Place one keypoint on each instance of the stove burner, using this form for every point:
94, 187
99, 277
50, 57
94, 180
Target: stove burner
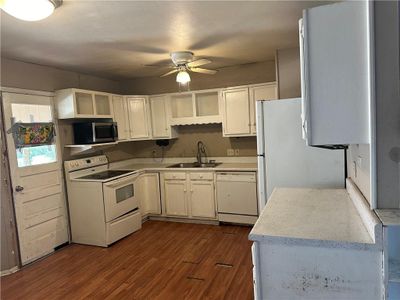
105, 174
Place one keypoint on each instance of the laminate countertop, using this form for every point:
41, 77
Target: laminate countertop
315, 217
250, 167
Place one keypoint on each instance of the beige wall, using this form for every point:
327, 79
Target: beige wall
23, 75
186, 144
288, 72
232, 76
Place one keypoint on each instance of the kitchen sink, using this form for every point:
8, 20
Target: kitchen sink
194, 165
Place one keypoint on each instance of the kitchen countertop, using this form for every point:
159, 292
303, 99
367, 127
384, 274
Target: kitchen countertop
389, 217
164, 167
315, 217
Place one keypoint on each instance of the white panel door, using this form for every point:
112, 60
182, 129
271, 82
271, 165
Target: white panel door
147, 189
121, 117
202, 201
261, 92
175, 197
236, 114
138, 118
37, 182
159, 121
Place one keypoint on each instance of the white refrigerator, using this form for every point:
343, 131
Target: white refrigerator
284, 159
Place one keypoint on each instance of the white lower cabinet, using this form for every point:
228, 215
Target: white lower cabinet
190, 194
147, 189
175, 197
202, 200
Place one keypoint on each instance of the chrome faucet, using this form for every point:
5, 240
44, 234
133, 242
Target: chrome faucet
201, 151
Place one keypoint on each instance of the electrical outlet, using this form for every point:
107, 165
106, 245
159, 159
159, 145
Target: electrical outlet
236, 152
230, 152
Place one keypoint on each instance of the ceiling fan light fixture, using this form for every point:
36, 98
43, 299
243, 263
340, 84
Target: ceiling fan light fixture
183, 77
30, 10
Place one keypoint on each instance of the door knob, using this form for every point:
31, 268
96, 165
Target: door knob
19, 188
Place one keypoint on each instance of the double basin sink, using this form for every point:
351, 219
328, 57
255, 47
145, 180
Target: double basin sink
195, 165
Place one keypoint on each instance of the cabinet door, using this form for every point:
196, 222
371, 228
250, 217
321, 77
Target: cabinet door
261, 92
175, 197
202, 199
159, 121
138, 118
84, 104
152, 193
103, 106
236, 119
121, 117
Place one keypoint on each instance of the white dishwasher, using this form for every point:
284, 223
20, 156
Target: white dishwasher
237, 197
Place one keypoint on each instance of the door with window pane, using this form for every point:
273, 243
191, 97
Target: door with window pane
37, 182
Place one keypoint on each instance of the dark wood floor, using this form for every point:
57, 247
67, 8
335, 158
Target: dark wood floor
164, 260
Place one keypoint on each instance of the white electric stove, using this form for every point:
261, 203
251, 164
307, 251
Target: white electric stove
102, 203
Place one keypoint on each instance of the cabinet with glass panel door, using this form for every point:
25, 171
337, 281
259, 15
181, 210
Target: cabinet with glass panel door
77, 103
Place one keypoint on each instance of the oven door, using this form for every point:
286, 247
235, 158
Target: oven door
119, 197
104, 132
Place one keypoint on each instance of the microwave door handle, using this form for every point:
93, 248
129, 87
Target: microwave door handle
94, 132
115, 131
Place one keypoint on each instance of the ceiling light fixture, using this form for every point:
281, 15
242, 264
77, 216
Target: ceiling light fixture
30, 10
183, 77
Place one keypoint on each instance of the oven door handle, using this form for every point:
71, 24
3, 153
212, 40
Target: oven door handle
121, 181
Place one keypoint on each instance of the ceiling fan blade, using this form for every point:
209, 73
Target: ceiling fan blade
198, 62
170, 72
204, 71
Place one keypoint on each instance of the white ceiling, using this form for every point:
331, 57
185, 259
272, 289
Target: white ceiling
115, 39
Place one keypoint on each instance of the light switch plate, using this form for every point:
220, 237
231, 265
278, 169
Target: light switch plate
230, 152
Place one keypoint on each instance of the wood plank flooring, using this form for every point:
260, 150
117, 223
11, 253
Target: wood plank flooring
163, 260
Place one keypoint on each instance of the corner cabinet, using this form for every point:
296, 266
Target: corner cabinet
160, 112
147, 190
77, 103
121, 117
139, 118
238, 108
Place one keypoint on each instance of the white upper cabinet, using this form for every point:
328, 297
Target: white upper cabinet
236, 112
260, 92
139, 119
198, 107
76, 103
121, 117
161, 128
239, 107
337, 67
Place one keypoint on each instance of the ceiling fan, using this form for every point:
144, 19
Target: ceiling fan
183, 62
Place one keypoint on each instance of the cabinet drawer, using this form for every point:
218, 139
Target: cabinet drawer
177, 175
123, 226
202, 176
